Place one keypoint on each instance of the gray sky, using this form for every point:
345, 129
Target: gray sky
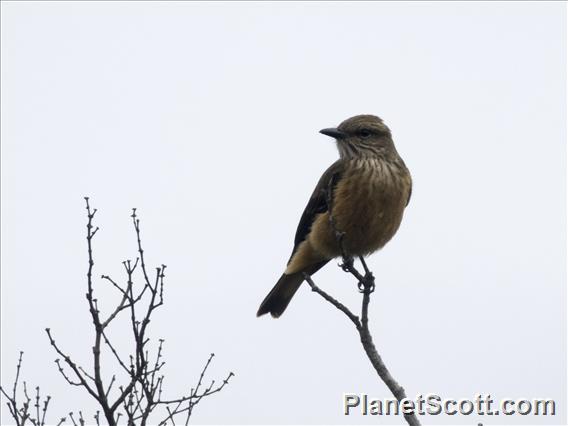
205, 116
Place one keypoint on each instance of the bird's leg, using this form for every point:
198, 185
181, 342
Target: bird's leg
365, 267
368, 282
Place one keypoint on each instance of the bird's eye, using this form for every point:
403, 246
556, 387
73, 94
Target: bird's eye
364, 133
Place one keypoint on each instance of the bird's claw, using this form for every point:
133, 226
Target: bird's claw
367, 285
347, 264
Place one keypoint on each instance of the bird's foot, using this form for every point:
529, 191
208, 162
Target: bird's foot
347, 264
367, 284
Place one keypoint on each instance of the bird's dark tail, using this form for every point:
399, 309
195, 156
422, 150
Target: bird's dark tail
279, 297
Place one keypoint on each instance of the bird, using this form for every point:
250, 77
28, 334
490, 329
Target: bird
361, 198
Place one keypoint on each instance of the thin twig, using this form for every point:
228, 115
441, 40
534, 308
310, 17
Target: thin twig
21, 414
354, 318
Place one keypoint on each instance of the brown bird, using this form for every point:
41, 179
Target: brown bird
365, 192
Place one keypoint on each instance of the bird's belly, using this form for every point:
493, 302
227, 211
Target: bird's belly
369, 227
367, 210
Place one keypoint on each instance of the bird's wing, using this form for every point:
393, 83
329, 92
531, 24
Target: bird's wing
318, 203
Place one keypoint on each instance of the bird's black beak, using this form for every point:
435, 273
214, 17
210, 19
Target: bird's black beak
334, 133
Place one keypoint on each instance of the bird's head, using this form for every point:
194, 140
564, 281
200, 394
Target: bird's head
361, 136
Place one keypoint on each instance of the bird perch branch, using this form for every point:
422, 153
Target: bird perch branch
362, 326
366, 285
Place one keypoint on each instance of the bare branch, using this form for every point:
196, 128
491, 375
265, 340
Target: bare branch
137, 390
366, 285
21, 414
354, 318
72, 365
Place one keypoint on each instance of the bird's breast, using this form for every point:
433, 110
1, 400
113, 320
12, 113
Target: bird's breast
368, 205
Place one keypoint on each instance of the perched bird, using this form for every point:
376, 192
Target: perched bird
365, 192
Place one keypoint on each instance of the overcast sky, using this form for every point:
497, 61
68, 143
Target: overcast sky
205, 117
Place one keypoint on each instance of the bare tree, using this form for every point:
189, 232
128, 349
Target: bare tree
138, 391
366, 285
32, 409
